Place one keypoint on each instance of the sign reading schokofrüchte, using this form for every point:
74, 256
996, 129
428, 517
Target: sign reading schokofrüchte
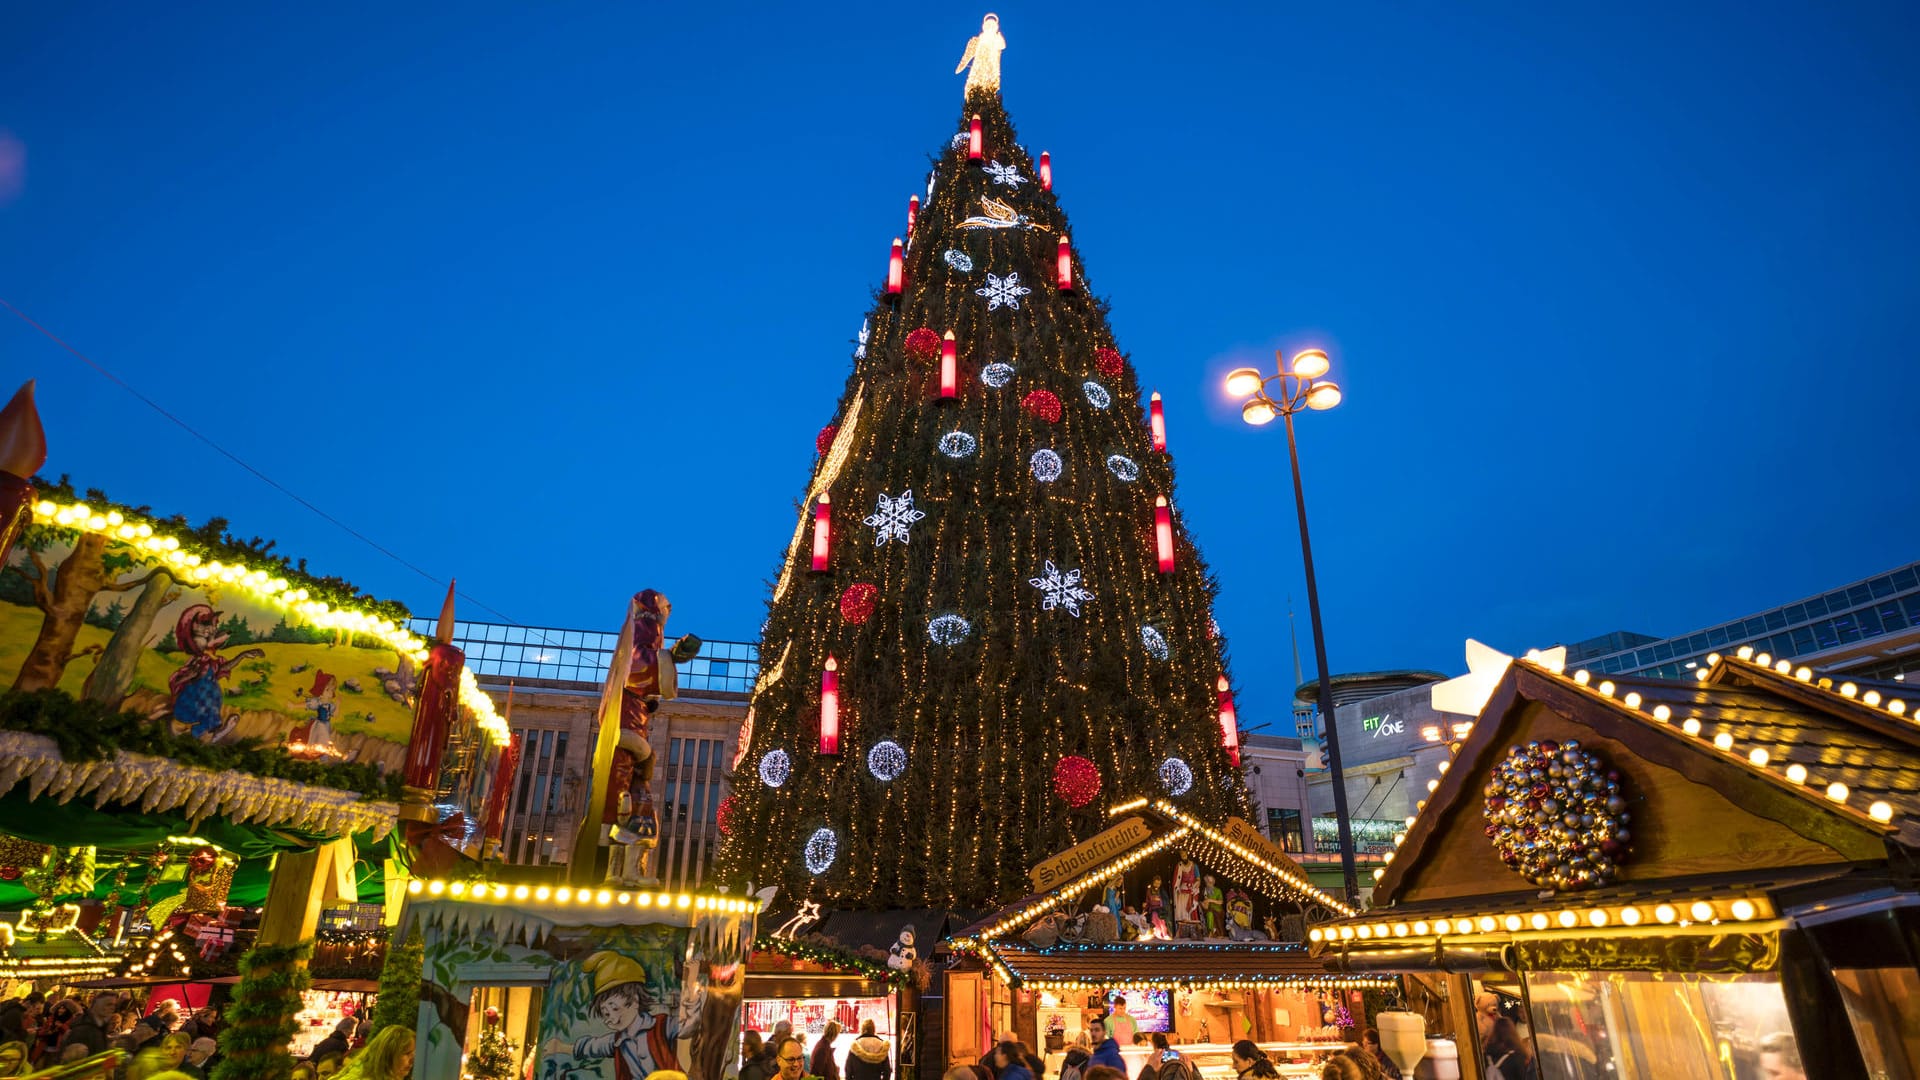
1083, 856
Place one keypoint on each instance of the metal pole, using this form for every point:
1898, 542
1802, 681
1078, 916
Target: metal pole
1326, 680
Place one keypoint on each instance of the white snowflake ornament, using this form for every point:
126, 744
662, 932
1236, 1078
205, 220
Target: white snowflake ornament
1003, 290
1061, 590
892, 517
1006, 174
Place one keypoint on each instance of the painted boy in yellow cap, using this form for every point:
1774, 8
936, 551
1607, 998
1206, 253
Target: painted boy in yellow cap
639, 1040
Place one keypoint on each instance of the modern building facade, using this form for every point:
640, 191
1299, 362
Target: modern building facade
1276, 771
1869, 629
1390, 737
554, 678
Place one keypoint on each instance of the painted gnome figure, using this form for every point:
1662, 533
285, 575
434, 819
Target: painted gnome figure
628, 816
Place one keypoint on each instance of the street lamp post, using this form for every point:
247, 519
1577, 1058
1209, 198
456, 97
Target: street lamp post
1303, 384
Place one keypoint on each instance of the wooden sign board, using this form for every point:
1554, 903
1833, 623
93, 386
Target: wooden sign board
1086, 855
1240, 832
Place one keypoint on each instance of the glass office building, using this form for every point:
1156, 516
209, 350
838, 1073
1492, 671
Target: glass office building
500, 651
1869, 629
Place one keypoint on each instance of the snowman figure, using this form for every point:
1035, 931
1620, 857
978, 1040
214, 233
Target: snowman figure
902, 954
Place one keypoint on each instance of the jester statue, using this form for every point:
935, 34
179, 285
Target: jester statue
639, 678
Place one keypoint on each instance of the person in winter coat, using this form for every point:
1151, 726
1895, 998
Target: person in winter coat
822, 1063
869, 1058
1078, 1055
1009, 1063
753, 1058
1105, 1050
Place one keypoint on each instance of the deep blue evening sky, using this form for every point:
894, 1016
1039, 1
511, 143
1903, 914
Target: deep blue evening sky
555, 296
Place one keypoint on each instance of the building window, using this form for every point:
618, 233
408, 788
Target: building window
1283, 828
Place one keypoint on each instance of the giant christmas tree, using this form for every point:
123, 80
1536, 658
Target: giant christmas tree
996, 648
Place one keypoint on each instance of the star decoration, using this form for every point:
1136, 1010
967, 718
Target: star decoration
892, 517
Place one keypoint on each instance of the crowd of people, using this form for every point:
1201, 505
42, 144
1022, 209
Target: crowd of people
39, 1031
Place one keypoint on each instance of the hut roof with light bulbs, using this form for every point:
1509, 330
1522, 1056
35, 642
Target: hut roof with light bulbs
1757, 825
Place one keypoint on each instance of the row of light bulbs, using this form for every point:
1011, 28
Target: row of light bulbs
1707, 912
1022, 916
265, 587
461, 890
1239, 982
1298, 882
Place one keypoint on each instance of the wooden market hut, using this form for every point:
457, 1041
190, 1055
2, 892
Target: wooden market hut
1765, 902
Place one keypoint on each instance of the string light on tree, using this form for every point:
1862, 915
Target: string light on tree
886, 761
1076, 780
1176, 776
958, 444
775, 768
948, 629
822, 848
1046, 466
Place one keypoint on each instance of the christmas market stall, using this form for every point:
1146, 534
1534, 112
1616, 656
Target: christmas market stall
1168, 924
1676, 879
204, 745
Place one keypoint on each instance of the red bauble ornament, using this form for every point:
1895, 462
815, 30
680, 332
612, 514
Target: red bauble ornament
824, 441
9, 873
856, 604
923, 344
723, 817
1108, 361
1076, 780
1043, 404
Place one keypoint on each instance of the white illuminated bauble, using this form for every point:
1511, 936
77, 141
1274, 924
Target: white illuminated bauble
822, 847
886, 761
1097, 395
1154, 642
958, 444
1123, 467
1175, 776
948, 629
775, 768
1046, 466
997, 374
958, 260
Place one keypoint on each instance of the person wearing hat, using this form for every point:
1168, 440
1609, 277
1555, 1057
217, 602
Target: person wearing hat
639, 1040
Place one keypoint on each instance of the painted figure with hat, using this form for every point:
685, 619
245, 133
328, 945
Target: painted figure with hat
313, 737
649, 678
195, 687
639, 1040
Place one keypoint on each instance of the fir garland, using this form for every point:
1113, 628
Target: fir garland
212, 541
399, 997
253, 1044
91, 731
830, 956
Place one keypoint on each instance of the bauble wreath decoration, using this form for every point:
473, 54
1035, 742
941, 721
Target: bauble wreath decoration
1556, 815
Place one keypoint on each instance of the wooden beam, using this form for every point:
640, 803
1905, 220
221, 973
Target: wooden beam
294, 895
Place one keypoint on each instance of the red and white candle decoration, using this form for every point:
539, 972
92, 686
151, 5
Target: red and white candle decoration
830, 709
1063, 266
896, 269
949, 366
1229, 723
822, 531
1046, 171
1163, 533
976, 140
913, 213
1157, 421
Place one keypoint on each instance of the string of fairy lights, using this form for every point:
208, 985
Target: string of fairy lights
958, 658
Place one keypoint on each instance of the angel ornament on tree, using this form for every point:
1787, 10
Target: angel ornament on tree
983, 52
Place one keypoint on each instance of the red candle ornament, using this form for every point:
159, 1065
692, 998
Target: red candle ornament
896, 269
502, 782
830, 709
23, 449
913, 213
976, 140
1229, 723
1158, 422
1046, 171
1163, 533
949, 367
1063, 266
433, 716
822, 531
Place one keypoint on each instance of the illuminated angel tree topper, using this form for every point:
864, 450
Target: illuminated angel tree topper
963, 692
